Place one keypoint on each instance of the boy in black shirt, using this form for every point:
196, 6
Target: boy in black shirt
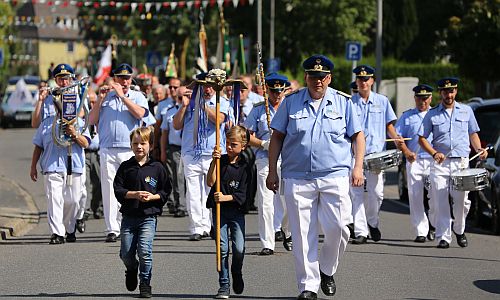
142, 187
232, 197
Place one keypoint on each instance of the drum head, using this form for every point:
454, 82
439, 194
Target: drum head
469, 172
380, 154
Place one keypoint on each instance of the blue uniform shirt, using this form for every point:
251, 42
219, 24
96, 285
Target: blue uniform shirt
162, 108
450, 133
408, 126
254, 98
187, 131
316, 144
174, 136
374, 116
115, 121
257, 122
54, 157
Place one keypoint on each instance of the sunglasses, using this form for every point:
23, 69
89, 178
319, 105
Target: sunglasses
173, 87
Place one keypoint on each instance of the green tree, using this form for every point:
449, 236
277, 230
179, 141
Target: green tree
473, 41
400, 27
6, 44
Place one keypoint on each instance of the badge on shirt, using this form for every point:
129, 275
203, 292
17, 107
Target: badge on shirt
234, 184
151, 181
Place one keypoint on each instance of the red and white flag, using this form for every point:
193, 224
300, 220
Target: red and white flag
104, 66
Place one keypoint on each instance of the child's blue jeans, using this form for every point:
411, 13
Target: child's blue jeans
137, 234
231, 221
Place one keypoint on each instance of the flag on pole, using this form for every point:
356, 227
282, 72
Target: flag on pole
227, 54
202, 60
171, 70
104, 66
240, 66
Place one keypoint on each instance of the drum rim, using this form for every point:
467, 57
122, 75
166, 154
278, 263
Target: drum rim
381, 154
470, 172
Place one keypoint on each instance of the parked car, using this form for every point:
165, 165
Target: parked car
487, 113
17, 103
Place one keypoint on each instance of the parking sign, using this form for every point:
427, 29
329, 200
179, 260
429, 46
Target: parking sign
353, 51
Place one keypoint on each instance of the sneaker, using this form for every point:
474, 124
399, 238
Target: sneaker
80, 225
70, 237
56, 239
223, 293
145, 290
238, 283
111, 238
131, 279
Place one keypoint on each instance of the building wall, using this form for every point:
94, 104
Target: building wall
58, 52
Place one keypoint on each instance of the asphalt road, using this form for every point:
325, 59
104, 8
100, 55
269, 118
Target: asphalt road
394, 268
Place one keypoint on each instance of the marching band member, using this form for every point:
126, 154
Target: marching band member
376, 115
196, 156
271, 206
313, 130
417, 162
118, 111
453, 127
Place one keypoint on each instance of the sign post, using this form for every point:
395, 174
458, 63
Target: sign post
353, 52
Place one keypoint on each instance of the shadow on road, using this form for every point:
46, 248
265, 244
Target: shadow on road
490, 286
350, 249
167, 296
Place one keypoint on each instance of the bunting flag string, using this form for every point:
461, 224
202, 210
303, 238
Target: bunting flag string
123, 43
140, 5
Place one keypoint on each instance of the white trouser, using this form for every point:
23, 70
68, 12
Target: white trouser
313, 203
111, 158
366, 206
442, 189
415, 181
271, 207
62, 202
197, 191
83, 197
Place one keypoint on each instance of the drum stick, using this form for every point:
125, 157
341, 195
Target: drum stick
479, 153
403, 139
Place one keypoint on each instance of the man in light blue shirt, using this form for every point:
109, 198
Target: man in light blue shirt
376, 115
117, 112
62, 198
454, 129
171, 141
314, 130
197, 155
418, 163
271, 207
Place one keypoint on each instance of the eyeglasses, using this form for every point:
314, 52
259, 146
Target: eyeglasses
173, 87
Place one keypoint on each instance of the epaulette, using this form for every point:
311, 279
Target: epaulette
293, 93
344, 94
258, 103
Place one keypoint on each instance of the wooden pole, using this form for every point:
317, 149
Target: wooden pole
217, 180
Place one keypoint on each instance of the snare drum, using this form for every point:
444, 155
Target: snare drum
470, 179
377, 162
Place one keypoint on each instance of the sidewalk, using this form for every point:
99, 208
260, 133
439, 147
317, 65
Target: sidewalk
18, 211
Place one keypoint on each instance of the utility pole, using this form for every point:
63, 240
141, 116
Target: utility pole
378, 46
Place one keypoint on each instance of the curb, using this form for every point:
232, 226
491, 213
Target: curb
16, 221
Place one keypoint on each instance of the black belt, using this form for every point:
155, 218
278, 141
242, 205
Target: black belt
174, 147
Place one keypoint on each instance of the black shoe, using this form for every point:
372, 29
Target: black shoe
279, 236
56, 239
419, 239
180, 213
375, 234
308, 295
131, 279
171, 209
111, 238
462, 240
80, 225
287, 243
359, 240
195, 237
70, 237
266, 251
443, 245
327, 284
431, 235
238, 283
205, 234
223, 293
98, 215
352, 235
145, 291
